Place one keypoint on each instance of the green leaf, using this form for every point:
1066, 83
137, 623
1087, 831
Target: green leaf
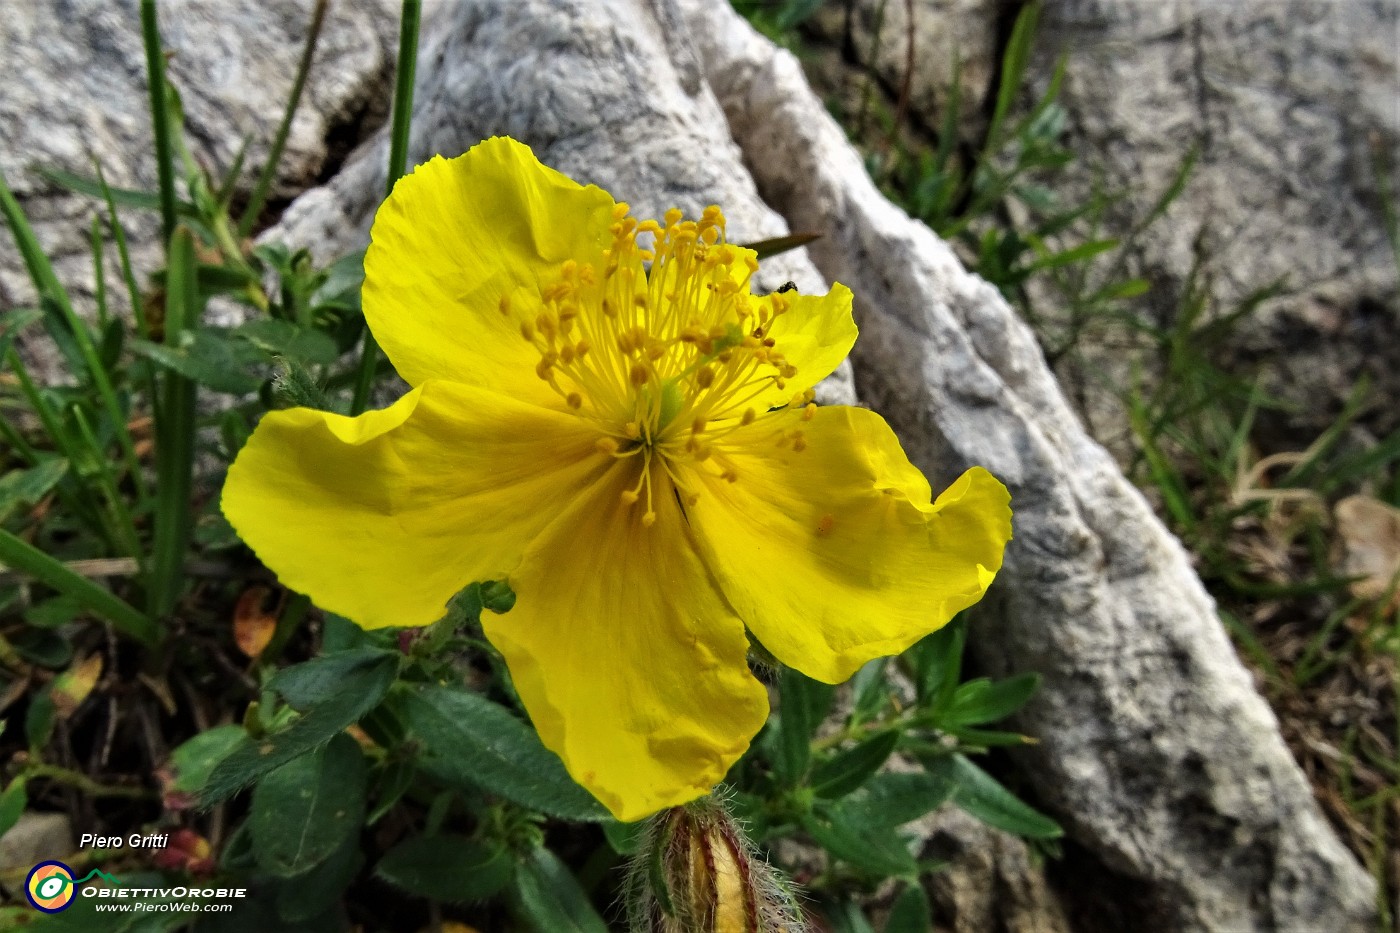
309, 807
24, 488
447, 868
878, 850
937, 660
895, 799
361, 688
910, 912
468, 740
846, 917
53, 612
548, 898
309, 895
283, 338
803, 703
194, 760
12, 804
982, 700
979, 794
850, 769
39, 719
46, 649
870, 689
625, 838
204, 357
322, 679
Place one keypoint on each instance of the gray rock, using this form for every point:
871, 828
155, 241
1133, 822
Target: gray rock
1154, 747
1290, 103
76, 89
989, 881
34, 838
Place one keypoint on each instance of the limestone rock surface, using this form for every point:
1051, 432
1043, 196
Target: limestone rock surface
76, 90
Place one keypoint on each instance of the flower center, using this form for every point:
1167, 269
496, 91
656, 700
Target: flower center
664, 348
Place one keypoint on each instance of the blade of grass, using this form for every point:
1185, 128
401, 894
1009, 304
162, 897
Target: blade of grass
22, 556
175, 433
133, 290
279, 142
123, 528
160, 122
398, 156
52, 296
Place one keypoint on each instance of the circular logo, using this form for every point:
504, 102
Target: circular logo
50, 887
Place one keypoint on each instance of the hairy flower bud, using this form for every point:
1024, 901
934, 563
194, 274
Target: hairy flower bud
696, 872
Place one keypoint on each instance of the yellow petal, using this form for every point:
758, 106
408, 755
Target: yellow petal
384, 517
453, 239
815, 334
833, 554
630, 663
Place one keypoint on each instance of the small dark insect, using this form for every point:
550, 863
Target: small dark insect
786, 287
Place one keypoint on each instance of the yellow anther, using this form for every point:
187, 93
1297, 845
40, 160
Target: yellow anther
673, 216
566, 354
582, 347
639, 374
692, 499
505, 304
809, 412
629, 498
729, 476
574, 399
705, 377
633, 429
749, 415
825, 524
607, 445
527, 330
619, 211
648, 519
697, 426
799, 443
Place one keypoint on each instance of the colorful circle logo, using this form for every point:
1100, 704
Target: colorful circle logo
50, 887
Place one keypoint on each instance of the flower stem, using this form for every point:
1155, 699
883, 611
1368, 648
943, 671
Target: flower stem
160, 117
398, 158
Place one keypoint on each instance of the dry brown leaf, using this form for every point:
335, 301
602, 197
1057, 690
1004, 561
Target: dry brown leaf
1370, 535
72, 687
252, 624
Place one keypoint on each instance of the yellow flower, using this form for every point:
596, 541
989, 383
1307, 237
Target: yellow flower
603, 415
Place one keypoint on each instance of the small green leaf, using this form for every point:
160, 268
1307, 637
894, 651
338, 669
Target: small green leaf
937, 663
850, 769
982, 700
39, 719
870, 689
625, 838
910, 912
878, 850
205, 357
46, 649
447, 868
304, 897
895, 799
283, 338
12, 804
194, 760
548, 898
322, 679
803, 703
980, 795
468, 740
360, 689
24, 488
309, 807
